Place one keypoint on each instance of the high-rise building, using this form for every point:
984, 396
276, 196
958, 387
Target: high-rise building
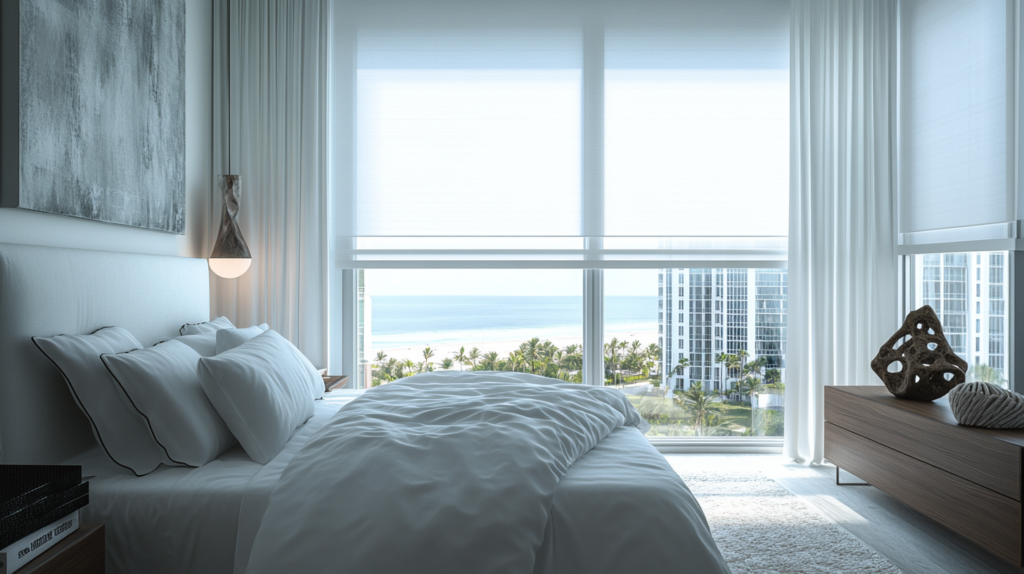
706, 313
968, 293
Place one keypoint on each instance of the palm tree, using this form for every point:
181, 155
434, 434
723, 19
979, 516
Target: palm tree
515, 361
654, 354
749, 386
755, 367
427, 363
393, 370
721, 358
773, 377
682, 365
474, 356
700, 404
490, 362
461, 357
985, 374
447, 364
611, 351
733, 363
742, 356
532, 351
636, 356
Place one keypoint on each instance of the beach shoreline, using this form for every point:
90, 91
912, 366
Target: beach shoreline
502, 347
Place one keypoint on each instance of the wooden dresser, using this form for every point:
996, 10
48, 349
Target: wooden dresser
965, 478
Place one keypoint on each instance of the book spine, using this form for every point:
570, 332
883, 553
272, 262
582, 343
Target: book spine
42, 513
28, 548
21, 485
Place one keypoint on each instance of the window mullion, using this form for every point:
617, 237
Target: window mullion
593, 202
593, 327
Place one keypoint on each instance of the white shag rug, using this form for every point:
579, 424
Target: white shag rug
762, 528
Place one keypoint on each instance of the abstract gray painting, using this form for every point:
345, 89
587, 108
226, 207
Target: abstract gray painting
102, 110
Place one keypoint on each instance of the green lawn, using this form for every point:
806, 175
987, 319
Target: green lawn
669, 419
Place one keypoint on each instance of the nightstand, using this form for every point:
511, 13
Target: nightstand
332, 382
83, 552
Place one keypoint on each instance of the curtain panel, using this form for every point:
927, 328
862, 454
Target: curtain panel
271, 111
842, 257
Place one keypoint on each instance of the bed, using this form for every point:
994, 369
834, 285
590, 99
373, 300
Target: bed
617, 506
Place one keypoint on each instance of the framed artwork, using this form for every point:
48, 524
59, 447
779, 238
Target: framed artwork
93, 110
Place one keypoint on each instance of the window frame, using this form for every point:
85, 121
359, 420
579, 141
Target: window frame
344, 268
1013, 291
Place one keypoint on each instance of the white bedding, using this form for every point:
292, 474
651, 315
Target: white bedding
619, 508
458, 472
187, 519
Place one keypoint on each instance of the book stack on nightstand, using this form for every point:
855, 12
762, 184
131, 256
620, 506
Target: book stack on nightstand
39, 507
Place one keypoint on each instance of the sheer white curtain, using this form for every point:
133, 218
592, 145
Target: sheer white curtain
277, 142
842, 254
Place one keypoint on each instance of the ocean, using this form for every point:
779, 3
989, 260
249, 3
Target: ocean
403, 321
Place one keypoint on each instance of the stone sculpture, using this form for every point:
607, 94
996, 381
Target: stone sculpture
916, 362
986, 405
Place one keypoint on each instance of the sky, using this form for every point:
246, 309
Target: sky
505, 282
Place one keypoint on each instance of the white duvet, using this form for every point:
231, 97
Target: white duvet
439, 473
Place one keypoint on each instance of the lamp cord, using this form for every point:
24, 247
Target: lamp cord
229, 86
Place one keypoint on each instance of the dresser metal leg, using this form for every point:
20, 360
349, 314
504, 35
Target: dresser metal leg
848, 483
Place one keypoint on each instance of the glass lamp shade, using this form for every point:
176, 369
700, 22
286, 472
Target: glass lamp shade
230, 257
229, 267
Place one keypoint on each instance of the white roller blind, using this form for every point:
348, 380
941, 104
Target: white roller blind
469, 134
697, 121
953, 116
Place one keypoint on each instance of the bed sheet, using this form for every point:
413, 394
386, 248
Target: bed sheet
179, 519
621, 508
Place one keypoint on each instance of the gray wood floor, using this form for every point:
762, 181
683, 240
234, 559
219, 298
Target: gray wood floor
907, 538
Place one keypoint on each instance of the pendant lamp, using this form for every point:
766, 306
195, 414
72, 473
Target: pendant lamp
230, 257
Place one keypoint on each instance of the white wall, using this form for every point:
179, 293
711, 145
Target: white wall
27, 227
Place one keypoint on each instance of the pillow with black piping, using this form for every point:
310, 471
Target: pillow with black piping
162, 384
204, 343
118, 427
207, 327
228, 339
262, 391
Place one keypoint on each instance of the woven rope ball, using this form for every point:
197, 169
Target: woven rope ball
986, 405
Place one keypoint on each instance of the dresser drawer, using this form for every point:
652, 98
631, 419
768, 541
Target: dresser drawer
981, 459
978, 514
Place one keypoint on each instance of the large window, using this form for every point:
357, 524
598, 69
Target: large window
667, 350
423, 320
969, 293
488, 161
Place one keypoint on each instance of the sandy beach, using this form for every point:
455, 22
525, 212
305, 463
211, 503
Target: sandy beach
503, 348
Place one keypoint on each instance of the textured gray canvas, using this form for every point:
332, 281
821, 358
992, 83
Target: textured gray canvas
102, 110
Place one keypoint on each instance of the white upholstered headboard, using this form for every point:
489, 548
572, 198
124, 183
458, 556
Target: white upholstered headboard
49, 291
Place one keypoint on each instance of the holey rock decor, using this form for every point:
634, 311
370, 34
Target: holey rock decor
986, 405
916, 362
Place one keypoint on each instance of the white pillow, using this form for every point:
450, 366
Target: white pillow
197, 328
228, 339
316, 382
261, 391
119, 428
204, 343
163, 385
